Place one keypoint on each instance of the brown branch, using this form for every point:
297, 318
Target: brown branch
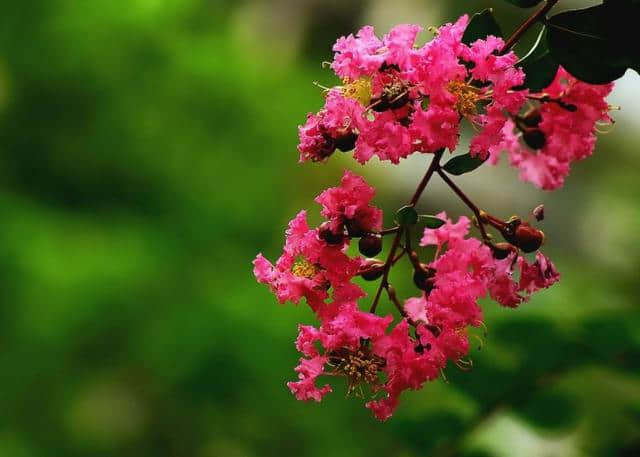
435, 165
467, 201
526, 25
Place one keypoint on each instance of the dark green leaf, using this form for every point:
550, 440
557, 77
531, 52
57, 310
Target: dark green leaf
586, 44
407, 215
524, 3
539, 65
432, 222
482, 24
462, 164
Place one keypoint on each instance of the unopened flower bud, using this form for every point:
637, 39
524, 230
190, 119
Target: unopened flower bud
538, 212
532, 118
346, 142
329, 236
502, 250
353, 228
528, 238
423, 278
370, 245
372, 270
535, 138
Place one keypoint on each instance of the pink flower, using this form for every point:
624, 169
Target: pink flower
349, 204
333, 127
364, 54
405, 368
308, 371
350, 325
357, 56
341, 338
307, 267
539, 275
503, 287
435, 128
314, 144
448, 232
384, 137
544, 143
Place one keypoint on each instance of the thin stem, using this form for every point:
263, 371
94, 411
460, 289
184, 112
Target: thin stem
526, 25
399, 256
387, 268
467, 201
435, 165
547, 99
391, 292
413, 256
389, 231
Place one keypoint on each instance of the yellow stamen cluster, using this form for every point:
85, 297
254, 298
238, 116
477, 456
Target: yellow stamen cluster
359, 367
360, 90
304, 269
467, 97
393, 91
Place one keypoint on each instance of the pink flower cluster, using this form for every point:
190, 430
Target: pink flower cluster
378, 358
397, 99
313, 260
544, 142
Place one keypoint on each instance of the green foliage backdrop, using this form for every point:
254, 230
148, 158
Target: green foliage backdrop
148, 153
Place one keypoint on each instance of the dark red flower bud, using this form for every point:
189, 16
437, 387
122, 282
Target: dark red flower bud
329, 236
372, 269
528, 238
353, 228
346, 142
502, 250
538, 212
370, 245
324, 149
532, 118
423, 278
535, 138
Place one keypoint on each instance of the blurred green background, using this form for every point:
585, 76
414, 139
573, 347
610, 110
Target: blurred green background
148, 153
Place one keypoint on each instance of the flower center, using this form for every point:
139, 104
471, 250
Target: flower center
302, 268
466, 97
360, 90
359, 367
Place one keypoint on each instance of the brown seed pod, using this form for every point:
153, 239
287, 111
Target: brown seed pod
370, 245
423, 278
329, 236
528, 238
372, 269
502, 250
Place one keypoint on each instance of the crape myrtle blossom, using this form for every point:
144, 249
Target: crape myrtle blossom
307, 267
312, 262
348, 204
412, 99
397, 98
544, 142
379, 359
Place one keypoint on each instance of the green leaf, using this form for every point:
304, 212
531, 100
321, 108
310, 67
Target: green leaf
539, 65
585, 42
432, 222
462, 164
524, 3
407, 215
482, 24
